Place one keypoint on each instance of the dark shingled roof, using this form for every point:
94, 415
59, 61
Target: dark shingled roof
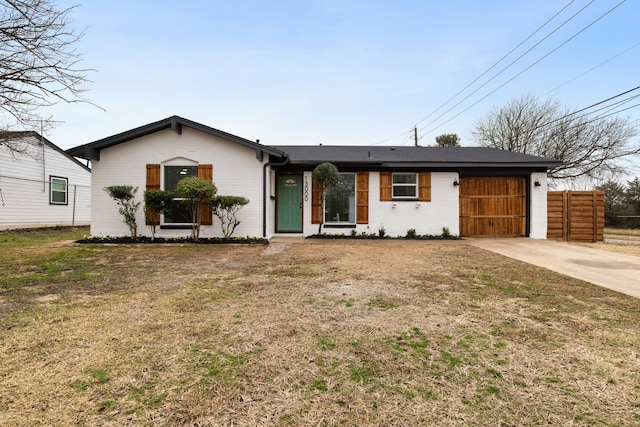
362, 156
415, 157
92, 149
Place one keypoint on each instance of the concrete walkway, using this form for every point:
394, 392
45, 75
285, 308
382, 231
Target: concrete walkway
619, 272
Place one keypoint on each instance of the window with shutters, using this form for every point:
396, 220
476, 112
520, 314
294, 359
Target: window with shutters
340, 201
179, 213
171, 175
405, 186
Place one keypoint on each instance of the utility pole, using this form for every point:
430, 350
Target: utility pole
415, 135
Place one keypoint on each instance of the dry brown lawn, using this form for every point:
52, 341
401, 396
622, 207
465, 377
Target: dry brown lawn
618, 240
628, 249
327, 333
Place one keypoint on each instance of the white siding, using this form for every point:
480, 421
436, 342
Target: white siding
24, 188
538, 206
271, 202
426, 217
399, 216
236, 171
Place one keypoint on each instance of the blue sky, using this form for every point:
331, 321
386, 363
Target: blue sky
345, 72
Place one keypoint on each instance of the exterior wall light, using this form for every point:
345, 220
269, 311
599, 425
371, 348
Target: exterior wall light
537, 183
456, 183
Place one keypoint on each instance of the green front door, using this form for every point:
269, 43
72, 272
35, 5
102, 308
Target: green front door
289, 204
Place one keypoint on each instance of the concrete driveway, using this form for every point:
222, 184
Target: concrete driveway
619, 272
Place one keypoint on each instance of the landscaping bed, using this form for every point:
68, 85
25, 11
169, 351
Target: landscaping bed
160, 240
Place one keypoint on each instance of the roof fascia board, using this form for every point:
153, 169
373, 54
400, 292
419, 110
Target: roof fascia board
381, 165
459, 165
176, 126
233, 138
92, 149
64, 153
467, 171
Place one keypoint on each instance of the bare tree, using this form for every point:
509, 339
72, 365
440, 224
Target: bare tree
39, 65
589, 146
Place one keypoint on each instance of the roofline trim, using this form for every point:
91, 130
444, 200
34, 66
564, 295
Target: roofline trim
444, 164
27, 133
176, 123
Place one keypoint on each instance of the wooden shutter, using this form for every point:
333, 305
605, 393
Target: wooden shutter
206, 217
424, 186
316, 202
153, 183
362, 198
385, 187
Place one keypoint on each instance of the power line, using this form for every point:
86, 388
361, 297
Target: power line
594, 105
404, 134
501, 59
525, 70
612, 111
600, 117
510, 64
615, 112
615, 104
593, 68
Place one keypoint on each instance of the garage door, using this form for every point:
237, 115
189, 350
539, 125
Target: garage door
493, 206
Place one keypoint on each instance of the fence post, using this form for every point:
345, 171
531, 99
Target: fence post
565, 215
73, 215
594, 216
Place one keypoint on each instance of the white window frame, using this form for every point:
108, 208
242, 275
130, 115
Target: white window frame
395, 185
52, 191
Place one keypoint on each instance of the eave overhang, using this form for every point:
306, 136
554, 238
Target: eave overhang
91, 151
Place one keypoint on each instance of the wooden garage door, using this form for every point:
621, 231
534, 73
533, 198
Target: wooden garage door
493, 206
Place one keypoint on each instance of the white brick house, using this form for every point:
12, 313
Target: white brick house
469, 190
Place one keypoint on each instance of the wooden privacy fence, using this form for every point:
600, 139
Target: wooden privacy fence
575, 215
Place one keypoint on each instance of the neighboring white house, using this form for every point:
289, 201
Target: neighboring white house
41, 185
471, 191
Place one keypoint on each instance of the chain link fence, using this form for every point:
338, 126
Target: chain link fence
31, 203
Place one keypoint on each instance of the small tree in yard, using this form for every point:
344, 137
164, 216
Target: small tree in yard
156, 202
327, 175
226, 209
194, 192
124, 195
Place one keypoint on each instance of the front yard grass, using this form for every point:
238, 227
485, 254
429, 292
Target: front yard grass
322, 333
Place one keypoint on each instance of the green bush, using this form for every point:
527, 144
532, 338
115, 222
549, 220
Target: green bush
124, 195
226, 209
326, 175
194, 192
156, 202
